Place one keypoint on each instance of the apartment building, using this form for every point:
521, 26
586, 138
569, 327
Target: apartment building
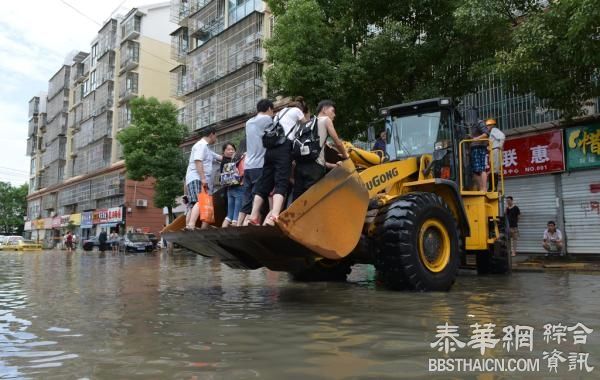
218, 46
78, 172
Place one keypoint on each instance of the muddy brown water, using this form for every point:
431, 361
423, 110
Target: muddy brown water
86, 316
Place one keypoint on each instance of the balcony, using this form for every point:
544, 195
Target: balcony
179, 44
106, 68
59, 81
180, 10
80, 71
124, 117
102, 126
208, 21
34, 106
107, 38
130, 28
178, 81
130, 56
33, 123
57, 127
31, 146
104, 98
128, 87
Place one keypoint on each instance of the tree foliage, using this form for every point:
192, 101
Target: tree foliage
366, 54
555, 53
151, 148
13, 208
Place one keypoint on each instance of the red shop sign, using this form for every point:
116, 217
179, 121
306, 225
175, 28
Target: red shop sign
537, 154
100, 216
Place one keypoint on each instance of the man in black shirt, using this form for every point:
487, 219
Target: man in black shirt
512, 214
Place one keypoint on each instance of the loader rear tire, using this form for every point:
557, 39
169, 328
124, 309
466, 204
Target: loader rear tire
325, 270
419, 244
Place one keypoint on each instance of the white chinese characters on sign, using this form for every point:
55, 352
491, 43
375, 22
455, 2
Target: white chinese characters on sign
539, 154
509, 158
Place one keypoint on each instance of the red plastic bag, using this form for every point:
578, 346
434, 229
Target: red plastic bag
207, 211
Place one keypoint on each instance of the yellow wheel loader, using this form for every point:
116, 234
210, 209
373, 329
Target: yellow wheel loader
412, 213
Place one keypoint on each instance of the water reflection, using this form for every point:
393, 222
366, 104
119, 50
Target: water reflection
86, 315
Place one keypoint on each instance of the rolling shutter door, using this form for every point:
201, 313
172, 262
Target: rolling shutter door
581, 202
536, 198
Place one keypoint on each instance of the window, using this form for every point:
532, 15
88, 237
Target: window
93, 80
94, 54
131, 82
86, 87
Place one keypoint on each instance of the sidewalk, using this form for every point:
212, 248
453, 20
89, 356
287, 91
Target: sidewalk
539, 263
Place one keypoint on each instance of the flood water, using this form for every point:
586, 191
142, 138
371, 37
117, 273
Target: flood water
82, 316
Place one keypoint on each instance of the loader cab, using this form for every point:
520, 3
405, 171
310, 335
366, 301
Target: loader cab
427, 127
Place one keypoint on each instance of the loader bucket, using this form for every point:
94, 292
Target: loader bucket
329, 217
326, 221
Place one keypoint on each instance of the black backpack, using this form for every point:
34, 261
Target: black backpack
307, 144
274, 135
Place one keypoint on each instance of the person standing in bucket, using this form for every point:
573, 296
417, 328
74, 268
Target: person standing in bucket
255, 155
199, 173
309, 170
278, 165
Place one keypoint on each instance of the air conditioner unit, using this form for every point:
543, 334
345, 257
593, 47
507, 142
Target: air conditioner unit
141, 203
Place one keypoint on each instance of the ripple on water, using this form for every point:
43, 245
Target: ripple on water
84, 316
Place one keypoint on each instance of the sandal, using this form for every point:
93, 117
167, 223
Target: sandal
253, 222
271, 221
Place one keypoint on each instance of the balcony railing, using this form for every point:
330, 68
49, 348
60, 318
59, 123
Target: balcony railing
130, 55
130, 29
34, 106
179, 45
33, 123
129, 87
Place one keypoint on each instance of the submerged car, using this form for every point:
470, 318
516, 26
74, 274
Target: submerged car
19, 243
89, 244
137, 242
5, 240
154, 239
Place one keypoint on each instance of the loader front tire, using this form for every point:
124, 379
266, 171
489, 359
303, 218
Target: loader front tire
419, 245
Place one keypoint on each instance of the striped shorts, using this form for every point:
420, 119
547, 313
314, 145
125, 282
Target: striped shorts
193, 188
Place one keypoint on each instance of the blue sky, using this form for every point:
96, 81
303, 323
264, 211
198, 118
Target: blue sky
35, 38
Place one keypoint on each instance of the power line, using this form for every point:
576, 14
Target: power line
96, 22
14, 170
80, 12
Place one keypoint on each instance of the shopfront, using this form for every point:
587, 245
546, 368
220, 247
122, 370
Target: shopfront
531, 170
48, 234
581, 189
110, 220
86, 224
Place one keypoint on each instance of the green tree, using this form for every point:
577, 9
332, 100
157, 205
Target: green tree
555, 53
71, 226
151, 148
13, 208
366, 54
